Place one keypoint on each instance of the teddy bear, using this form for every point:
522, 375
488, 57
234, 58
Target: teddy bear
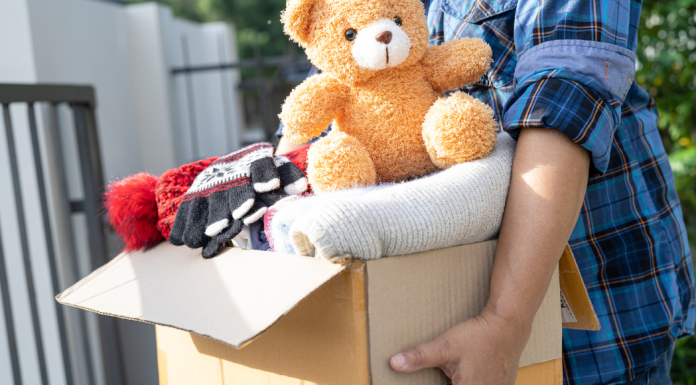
382, 86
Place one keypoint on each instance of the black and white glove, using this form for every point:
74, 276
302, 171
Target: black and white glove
233, 191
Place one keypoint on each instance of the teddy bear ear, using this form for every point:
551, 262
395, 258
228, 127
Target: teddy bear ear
296, 20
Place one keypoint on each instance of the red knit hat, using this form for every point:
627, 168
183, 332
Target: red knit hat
142, 208
171, 186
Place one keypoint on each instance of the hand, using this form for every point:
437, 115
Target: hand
484, 350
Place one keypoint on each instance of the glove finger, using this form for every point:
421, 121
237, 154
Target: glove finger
194, 235
292, 180
219, 214
255, 213
271, 198
211, 249
264, 176
240, 200
176, 235
217, 242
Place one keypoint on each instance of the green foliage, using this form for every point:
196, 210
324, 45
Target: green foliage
684, 362
667, 69
256, 15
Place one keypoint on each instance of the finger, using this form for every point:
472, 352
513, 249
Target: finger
176, 235
194, 234
219, 214
212, 248
292, 180
433, 354
271, 198
240, 200
255, 213
264, 176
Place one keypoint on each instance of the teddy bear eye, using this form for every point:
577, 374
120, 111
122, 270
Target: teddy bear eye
397, 21
351, 34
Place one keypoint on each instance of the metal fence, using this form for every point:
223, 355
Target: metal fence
81, 101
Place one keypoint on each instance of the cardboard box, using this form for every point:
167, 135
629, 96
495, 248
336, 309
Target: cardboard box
300, 320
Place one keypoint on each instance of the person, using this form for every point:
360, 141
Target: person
590, 170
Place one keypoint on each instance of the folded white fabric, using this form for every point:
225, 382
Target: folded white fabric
461, 205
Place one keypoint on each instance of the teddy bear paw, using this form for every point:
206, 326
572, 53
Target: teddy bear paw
459, 129
337, 162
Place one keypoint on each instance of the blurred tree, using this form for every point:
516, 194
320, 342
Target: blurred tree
667, 69
250, 16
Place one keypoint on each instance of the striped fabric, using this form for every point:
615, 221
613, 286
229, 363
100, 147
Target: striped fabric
569, 65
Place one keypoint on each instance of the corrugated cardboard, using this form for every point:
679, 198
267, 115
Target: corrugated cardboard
577, 310
544, 373
413, 299
349, 323
322, 341
186, 358
231, 298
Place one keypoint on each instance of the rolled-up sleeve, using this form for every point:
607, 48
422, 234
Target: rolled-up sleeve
575, 66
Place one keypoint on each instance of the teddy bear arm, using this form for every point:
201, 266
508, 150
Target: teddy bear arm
456, 63
311, 107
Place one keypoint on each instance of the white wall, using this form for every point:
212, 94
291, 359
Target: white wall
151, 86
217, 130
157, 42
126, 53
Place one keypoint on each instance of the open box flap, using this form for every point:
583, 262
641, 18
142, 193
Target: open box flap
244, 291
576, 309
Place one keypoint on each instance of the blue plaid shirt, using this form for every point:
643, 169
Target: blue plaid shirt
569, 65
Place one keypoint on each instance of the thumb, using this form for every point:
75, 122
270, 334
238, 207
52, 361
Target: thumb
433, 354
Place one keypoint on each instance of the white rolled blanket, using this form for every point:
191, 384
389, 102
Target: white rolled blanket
461, 205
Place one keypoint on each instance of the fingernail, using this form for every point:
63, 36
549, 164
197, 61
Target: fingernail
399, 361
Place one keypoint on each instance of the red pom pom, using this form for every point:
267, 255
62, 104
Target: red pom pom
131, 207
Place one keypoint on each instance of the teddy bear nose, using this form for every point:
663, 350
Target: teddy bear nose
384, 37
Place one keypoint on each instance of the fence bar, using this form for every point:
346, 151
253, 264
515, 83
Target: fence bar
97, 168
50, 250
95, 234
57, 161
20, 93
248, 63
14, 167
91, 174
9, 321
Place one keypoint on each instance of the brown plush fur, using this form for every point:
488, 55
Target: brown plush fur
448, 124
340, 151
390, 124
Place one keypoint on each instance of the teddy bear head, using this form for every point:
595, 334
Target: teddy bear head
354, 40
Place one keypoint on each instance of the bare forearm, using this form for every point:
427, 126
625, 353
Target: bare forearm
547, 188
549, 178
